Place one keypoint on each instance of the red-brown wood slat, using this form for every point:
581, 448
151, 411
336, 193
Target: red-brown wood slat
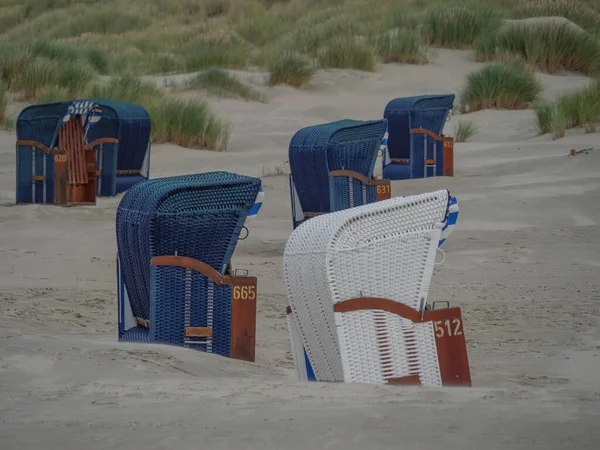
79, 147
72, 141
448, 329
60, 178
243, 317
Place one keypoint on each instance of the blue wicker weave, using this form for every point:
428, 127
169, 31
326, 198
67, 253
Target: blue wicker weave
316, 151
37, 123
128, 123
197, 216
131, 125
403, 114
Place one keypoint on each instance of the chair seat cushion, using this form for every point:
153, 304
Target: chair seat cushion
395, 171
136, 334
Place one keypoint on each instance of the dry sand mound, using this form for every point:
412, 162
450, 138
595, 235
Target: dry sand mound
523, 263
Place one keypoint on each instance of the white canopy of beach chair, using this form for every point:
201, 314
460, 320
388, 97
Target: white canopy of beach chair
383, 250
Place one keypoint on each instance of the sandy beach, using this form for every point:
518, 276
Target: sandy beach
523, 264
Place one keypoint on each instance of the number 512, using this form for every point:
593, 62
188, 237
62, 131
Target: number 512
447, 328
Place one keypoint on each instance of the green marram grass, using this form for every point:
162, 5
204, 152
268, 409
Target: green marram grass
219, 82
4, 97
53, 49
189, 123
579, 108
465, 130
400, 46
348, 53
577, 11
291, 69
499, 86
455, 25
28, 77
549, 46
543, 117
559, 123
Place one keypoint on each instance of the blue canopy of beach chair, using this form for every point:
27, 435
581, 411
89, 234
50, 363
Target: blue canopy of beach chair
317, 150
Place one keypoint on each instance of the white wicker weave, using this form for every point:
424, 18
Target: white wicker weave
386, 250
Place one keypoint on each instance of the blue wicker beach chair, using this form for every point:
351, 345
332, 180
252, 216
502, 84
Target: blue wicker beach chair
128, 162
416, 147
332, 167
118, 146
175, 240
54, 162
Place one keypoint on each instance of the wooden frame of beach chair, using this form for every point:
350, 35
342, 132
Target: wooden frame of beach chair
442, 151
357, 284
182, 299
434, 342
56, 163
383, 192
334, 165
243, 306
417, 146
72, 166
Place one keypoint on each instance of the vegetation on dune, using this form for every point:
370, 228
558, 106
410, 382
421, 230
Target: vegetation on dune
577, 11
499, 86
56, 49
400, 46
348, 53
189, 123
3, 101
543, 117
458, 25
220, 82
290, 68
550, 46
465, 130
579, 108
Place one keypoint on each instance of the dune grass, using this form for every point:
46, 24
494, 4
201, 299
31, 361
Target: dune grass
26, 73
4, 95
552, 47
221, 83
499, 86
291, 69
465, 130
348, 53
53, 49
543, 117
455, 25
579, 108
558, 123
400, 46
189, 123
577, 11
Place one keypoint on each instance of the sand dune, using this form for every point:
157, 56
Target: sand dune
523, 263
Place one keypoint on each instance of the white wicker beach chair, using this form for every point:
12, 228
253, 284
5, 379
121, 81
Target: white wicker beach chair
357, 282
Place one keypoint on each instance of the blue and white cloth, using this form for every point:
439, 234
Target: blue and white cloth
89, 111
385, 151
451, 219
257, 205
383, 146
